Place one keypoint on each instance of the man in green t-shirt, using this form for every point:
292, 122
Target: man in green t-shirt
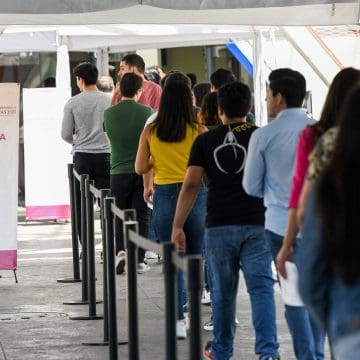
123, 124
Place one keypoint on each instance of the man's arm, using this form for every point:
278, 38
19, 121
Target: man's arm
253, 180
187, 196
67, 126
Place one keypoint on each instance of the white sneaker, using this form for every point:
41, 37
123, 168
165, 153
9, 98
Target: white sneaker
151, 255
142, 268
121, 260
209, 326
181, 329
205, 298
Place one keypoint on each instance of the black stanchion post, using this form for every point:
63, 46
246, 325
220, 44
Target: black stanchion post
103, 194
170, 302
91, 251
111, 284
83, 179
90, 254
83, 238
194, 278
131, 267
74, 235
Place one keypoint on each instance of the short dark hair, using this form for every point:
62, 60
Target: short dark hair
200, 90
86, 71
221, 77
130, 83
136, 61
291, 84
234, 99
193, 79
177, 76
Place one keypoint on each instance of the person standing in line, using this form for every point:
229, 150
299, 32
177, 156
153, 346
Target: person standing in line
268, 174
165, 147
339, 88
123, 124
221, 77
151, 92
329, 267
234, 233
82, 126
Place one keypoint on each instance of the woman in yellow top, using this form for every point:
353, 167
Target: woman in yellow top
164, 147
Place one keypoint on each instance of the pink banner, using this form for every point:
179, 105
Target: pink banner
52, 212
8, 259
9, 145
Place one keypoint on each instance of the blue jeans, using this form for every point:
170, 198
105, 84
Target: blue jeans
165, 199
307, 337
227, 249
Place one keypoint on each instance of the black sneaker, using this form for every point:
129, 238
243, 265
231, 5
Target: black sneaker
267, 357
208, 352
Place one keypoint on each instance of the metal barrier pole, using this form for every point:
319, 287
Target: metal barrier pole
74, 234
84, 276
84, 283
90, 253
111, 284
103, 194
194, 278
131, 268
170, 302
91, 250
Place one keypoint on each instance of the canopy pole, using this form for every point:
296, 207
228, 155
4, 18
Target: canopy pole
62, 64
102, 61
259, 79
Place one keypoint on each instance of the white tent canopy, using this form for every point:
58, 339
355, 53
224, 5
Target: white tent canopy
245, 12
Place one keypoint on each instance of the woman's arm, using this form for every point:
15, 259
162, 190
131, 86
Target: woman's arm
143, 162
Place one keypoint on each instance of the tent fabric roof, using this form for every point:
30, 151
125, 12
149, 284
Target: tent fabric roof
244, 12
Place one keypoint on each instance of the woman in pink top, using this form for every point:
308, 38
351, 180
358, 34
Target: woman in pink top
338, 90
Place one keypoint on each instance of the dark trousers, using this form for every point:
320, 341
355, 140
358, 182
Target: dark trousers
97, 166
128, 190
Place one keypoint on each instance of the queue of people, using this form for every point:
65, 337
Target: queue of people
208, 179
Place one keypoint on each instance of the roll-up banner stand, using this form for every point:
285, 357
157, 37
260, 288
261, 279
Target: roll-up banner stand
46, 155
9, 160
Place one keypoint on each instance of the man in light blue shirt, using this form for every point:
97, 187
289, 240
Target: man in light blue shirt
268, 174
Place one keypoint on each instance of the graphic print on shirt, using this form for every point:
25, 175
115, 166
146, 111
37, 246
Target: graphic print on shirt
230, 141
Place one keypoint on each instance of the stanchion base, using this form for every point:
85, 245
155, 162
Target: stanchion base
86, 317
103, 343
80, 302
68, 280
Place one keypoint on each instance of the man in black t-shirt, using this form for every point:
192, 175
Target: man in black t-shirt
234, 234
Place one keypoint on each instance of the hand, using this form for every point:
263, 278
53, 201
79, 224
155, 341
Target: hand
116, 91
283, 255
148, 195
178, 237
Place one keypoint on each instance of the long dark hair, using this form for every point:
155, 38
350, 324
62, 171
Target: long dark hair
339, 195
208, 114
175, 111
339, 88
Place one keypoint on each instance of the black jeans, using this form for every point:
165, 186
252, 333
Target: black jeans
97, 166
128, 190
